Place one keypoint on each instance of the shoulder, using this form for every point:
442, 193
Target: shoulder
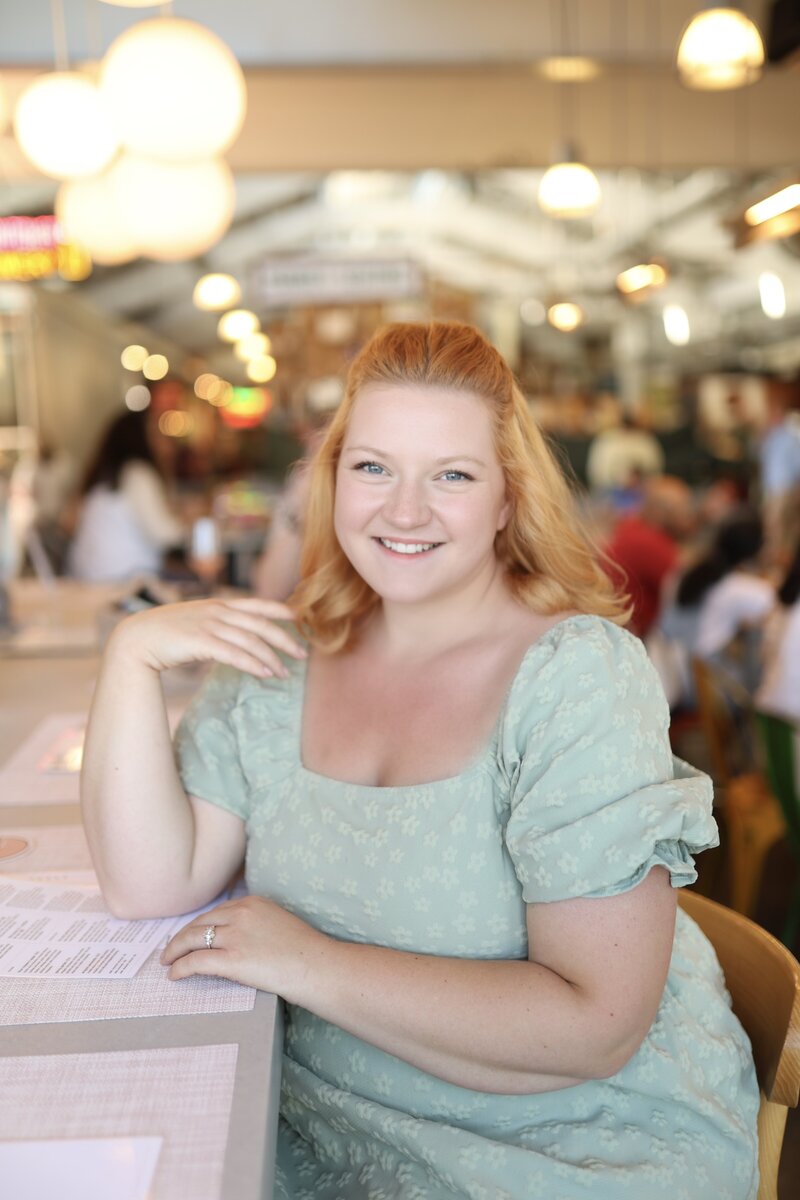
582, 659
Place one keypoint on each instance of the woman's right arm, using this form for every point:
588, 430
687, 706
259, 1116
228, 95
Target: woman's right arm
155, 849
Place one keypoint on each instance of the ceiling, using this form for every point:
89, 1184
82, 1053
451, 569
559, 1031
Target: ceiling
421, 130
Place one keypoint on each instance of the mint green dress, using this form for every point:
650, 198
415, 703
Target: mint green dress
577, 794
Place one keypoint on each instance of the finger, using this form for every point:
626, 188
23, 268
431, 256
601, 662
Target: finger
190, 938
252, 644
271, 610
270, 633
222, 651
201, 962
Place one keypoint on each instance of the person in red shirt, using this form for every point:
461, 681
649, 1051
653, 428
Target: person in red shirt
645, 547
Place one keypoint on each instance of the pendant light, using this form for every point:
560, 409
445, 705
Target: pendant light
174, 90
60, 122
565, 315
720, 48
174, 210
569, 189
88, 211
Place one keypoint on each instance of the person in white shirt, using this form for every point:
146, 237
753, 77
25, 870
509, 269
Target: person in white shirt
722, 597
126, 523
780, 688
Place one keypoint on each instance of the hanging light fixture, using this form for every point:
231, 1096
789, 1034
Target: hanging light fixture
635, 282
236, 324
676, 325
253, 345
777, 215
215, 292
720, 48
174, 90
174, 210
772, 295
88, 212
565, 316
60, 122
62, 126
569, 189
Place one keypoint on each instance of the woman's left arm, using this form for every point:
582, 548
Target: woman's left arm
577, 1010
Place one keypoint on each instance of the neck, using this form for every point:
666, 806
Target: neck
410, 631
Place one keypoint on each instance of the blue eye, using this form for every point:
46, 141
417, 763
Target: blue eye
369, 468
455, 476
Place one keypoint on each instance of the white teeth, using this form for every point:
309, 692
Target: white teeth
407, 547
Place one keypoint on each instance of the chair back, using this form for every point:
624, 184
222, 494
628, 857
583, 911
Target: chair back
763, 978
726, 718
780, 744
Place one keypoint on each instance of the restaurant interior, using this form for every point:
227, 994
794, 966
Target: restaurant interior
206, 210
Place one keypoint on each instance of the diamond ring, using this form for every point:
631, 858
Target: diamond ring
210, 934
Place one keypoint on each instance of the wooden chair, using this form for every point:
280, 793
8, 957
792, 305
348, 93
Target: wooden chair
763, 979
753, 818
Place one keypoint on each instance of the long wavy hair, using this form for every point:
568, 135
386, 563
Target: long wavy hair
550, 562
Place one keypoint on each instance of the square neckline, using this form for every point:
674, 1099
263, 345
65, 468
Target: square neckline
299, 680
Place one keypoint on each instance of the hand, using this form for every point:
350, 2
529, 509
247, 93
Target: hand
256, 943
239, 632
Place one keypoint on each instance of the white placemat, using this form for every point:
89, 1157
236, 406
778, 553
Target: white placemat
181, 1094
148, 994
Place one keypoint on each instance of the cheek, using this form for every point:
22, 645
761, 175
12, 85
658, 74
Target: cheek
351, 506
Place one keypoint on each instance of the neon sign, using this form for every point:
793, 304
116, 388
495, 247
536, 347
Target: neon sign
34, 248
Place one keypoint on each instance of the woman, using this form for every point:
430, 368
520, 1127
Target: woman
125, 524
720, 603
780, 688
460, 818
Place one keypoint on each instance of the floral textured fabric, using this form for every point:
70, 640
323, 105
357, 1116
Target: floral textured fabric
577, 795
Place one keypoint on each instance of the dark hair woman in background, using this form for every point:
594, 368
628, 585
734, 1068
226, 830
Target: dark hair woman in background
126, 523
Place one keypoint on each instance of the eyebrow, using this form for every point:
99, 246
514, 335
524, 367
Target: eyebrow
439, 462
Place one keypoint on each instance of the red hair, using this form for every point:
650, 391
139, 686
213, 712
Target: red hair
551, 565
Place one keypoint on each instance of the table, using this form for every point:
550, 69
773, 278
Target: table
32, 687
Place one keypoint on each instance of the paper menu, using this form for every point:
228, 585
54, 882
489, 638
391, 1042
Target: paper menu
57, 931
79, 1168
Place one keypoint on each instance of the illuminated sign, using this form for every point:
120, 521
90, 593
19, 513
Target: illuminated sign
34, 248
246, 408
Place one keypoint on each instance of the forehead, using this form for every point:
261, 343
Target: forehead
408, 411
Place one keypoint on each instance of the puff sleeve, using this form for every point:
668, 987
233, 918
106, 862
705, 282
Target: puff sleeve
596, 797
207, 744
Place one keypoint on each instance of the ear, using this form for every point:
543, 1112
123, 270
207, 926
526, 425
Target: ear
505, 515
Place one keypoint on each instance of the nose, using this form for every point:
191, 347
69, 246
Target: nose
407, 507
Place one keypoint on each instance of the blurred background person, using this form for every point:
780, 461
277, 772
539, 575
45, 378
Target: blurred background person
780, 688
646, 547
779, 460
55, 482
125, 523
621, 457
277, 571
720, 602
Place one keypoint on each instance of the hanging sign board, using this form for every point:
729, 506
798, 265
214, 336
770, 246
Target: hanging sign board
284, 282
34, 248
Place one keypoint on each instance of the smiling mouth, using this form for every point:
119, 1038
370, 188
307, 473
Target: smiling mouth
408, 548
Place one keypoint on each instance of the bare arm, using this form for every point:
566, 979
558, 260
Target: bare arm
157, 850
579, 1009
